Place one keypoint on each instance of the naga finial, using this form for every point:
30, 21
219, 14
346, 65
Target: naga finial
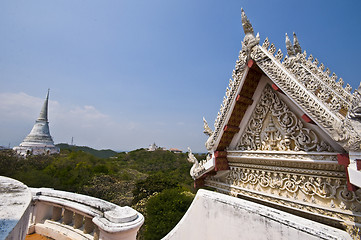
289, 47
191, 158
296, 44
249, 40
207, 130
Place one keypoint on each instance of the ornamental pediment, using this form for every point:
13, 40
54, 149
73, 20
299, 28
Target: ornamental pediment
274, 127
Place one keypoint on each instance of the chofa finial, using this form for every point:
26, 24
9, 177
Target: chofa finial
289, 47
249, 40
296, 44
246, 24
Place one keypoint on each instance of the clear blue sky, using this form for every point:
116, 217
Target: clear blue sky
125, 74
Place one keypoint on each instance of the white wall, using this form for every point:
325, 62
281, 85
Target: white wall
15, 200
217, 216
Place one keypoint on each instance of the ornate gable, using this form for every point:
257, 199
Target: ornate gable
268, 154
324, 100
274, 127
305, 82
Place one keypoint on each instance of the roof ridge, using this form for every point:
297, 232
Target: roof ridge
319, 82
312, 63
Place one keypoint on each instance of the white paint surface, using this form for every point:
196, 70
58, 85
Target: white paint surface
15, 199
217, 216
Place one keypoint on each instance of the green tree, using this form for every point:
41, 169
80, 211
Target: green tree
164, 211
152, 184
110, 188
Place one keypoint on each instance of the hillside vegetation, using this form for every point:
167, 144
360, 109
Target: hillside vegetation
157, 184
105, 153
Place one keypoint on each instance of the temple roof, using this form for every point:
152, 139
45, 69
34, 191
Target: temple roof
320, 98
303, 79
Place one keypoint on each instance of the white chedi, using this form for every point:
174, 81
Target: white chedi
39, 140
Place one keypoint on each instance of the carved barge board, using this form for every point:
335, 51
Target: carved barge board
243, 100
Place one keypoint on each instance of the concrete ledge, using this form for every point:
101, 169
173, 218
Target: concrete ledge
217, 216
15, 199
57, 195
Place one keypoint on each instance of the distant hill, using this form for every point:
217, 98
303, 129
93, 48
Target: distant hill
105, 153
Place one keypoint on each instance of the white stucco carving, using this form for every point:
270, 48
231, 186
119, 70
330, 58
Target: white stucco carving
249, 40
200, 167
207, 130
326, 101
274, 127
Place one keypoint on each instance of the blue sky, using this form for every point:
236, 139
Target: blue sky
125, 74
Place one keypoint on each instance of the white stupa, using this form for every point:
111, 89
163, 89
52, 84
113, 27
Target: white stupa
39, 140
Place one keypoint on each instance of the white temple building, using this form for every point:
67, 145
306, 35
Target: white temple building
39, 140
284, 155
152, 147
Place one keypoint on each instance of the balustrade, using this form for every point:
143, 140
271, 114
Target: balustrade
65, 215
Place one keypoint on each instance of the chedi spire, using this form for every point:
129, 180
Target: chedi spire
44, 111
39, 140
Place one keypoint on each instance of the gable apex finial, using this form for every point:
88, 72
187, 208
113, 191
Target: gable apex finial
246, 24
249, 40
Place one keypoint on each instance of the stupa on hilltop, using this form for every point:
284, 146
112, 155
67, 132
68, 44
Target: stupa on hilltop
39, 140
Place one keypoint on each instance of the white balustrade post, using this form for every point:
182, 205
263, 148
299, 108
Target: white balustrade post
68, 217
88, 225
78, 220
57, 211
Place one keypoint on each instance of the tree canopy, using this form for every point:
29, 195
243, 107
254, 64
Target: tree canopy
157, 183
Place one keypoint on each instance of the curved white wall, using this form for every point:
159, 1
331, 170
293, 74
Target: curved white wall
217, 216
15, 200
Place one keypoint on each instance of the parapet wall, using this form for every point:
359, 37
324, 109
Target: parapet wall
15, 200
62, 215
217, 216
